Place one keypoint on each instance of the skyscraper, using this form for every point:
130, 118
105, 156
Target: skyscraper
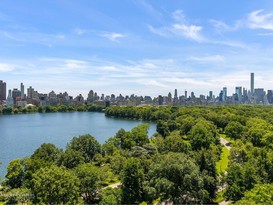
175, 93
22, 91
3, 90
252, 83
224, 93
238, 92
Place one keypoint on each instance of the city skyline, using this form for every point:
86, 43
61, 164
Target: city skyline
240, 95
141, 47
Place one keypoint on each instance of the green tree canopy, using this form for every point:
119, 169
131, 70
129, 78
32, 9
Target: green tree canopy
47, 152
55, 185
87, 145
88, 176
15, 173
70, 158
176, 176
132, 178
260, 194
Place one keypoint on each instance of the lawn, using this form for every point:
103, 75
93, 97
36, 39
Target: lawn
222, 164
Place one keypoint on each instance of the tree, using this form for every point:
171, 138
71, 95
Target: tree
260, 194
140, 134
55, 185
87, 145
7, 110
110, 196
47, 152
172, 143
162, 128
234, 130
176, 177
70, 158
88, 178
15, 174
132, 178
186, 125
203, 134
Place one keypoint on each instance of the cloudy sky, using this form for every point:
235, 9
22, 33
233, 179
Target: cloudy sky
145, 47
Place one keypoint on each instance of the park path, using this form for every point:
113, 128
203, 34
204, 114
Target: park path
113, 186
227, 145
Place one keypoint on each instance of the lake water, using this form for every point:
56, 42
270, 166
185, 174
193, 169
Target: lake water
21, 134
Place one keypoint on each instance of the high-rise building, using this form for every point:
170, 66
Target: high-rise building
270, 96
210, 94
186, 94
252, 83
175, 93
9, 100
259, 93
224, 93
238, 92
16, 95
3, 90
160, 100
22, 91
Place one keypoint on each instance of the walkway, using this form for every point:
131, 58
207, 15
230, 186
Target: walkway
227, 145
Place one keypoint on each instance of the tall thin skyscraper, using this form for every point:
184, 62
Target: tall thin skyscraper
175, 93
3, 90
224, 93
22, 91
252, 83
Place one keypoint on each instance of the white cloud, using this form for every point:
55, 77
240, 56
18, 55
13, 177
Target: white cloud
113, 36
260, 20
265, 34
214, 58
181, 28
6, 67
189, 31
179, 16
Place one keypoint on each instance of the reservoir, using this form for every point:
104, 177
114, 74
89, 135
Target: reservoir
21, 134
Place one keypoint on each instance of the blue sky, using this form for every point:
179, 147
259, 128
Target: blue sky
145, 47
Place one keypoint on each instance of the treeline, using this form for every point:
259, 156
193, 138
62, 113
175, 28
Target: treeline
49, 109
147, 170
177, 164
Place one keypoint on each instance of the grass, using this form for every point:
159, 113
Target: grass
3, 202
222, 164
219, 197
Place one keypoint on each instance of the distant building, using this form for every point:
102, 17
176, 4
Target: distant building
160, 100
175, 94
259, 95
238, 92
221, 96
22, 91
9, 101
16, 95
252, 83
210, 95
224, 93
270, 96
3, 90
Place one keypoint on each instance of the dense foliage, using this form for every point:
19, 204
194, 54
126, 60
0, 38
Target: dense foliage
50, 109
176, 164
